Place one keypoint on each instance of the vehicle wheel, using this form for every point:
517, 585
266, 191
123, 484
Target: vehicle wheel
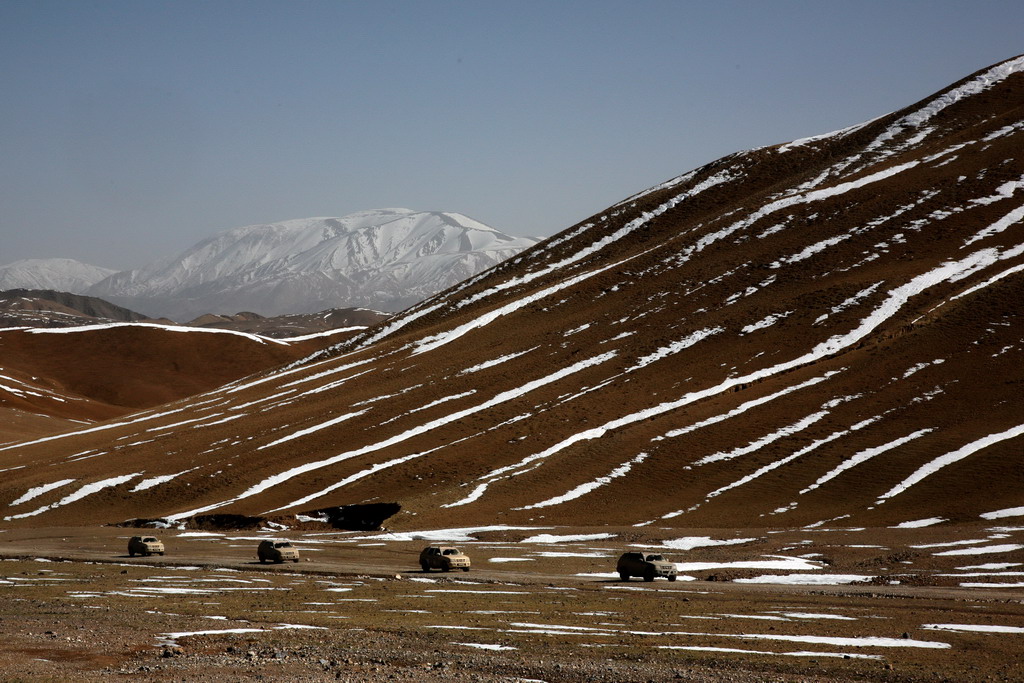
672, 578
295, 560
465, 569
649, 576
146, 553
425, 566
263, 560
161, 554
131, 553
623, 576
446, 568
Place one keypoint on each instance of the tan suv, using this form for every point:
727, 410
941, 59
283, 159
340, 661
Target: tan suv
443, 557
145, 545
647, 565
277, 551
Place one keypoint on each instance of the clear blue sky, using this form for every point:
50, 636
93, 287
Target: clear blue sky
130, 130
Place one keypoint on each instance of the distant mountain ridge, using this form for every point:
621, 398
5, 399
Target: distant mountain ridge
49, 308
385, 259
60, 274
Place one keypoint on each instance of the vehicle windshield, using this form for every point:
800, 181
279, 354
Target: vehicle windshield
655, 558
451, 551
286, 544
149, 539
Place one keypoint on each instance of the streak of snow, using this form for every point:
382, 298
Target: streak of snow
156, 481
919, 523
862, 457
98, 428
937, 464
568, 538
691, 542
169, 328
584, 489
314, 428
788, 430
82, 492
984, 550
675, 347
495, 361
737, 650
1006, 512
807, 579
973, 628
40, 490
767, 321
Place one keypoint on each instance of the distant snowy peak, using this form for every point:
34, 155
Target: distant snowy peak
59, 274
384, 259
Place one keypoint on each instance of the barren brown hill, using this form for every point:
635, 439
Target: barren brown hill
49, 308
53, 378
824, 330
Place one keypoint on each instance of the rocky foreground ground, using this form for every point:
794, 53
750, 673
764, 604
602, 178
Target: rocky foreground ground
537, 606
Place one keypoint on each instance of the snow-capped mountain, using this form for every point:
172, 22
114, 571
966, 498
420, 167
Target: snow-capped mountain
385, 259
60, 274
790, 336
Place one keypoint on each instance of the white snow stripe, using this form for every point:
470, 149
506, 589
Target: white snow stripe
40, 490
84, 491
788, 430
863, 456
584, 489
937, 464
314, 428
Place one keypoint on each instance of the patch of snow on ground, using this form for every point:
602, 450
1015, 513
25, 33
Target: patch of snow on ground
984, 550
973, 628
780, 562
552, 538
691, 542
807, 579
499, 560
736, 650
452, 535
999, 514
919, 523
487, 646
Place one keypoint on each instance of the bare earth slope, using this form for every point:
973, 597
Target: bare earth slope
62, 375
828, 329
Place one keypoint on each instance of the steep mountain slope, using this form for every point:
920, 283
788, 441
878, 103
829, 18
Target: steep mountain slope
385, 259
828, 329
61, 274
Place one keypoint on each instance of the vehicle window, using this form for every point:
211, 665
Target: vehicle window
451, 551
283, 545
149, 539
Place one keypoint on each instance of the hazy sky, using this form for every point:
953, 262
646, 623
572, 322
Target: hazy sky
131, 130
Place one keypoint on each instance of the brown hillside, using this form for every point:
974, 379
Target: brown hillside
820, 331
